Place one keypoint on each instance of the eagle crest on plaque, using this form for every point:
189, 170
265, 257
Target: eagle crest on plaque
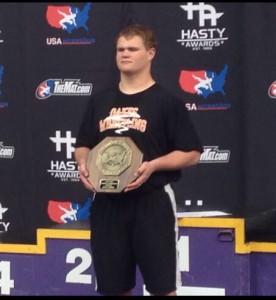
112, 164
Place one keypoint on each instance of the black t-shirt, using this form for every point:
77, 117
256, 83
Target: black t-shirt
157, 122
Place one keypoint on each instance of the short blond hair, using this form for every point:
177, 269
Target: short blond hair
144, 32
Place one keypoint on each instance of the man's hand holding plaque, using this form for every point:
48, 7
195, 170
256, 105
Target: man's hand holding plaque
112, 164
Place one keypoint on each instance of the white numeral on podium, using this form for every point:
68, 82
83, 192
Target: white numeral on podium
183, 252
6, 283
75, 275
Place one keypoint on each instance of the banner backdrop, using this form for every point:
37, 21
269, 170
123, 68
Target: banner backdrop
217, 57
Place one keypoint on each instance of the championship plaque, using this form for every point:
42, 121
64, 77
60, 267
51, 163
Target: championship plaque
112, 164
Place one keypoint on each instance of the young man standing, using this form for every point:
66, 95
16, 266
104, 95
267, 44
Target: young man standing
138, 226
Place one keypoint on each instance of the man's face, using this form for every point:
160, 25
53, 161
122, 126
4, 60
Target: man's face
132, 55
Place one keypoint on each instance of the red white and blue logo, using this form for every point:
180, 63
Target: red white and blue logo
59, 87
1, 76
2, 103
68, 18
65, 211
203, 82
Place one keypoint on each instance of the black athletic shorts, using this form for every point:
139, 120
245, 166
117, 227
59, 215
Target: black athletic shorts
129, 231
